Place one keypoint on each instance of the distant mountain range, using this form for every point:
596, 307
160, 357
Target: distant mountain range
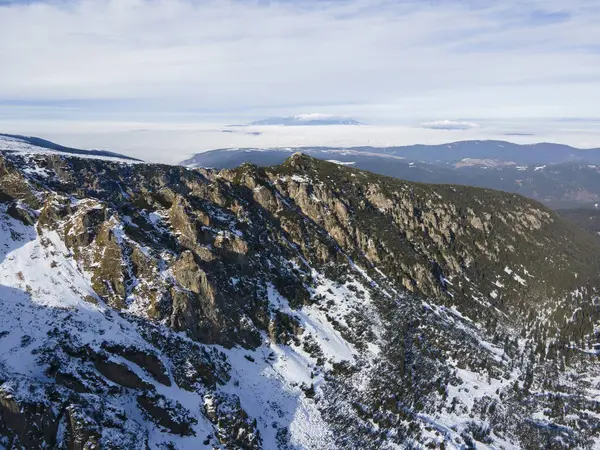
558, 175
463, 153
306, 120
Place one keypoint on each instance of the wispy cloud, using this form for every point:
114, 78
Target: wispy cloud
373, 59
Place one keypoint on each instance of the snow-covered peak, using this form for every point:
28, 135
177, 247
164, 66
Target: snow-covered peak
314, 116
312, 119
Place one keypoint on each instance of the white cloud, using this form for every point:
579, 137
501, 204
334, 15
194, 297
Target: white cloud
375, 60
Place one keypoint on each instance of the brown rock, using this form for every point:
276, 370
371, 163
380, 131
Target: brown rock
120, 374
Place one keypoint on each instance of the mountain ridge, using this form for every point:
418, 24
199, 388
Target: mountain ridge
573, 181
31, 143
306, 305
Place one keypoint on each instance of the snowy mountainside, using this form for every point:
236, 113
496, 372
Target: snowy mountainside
28, 144
303, 306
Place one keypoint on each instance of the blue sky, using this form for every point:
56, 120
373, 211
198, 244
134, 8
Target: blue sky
383, 62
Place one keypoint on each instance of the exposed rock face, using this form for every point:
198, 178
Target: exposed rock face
82, 434
234, 427
16, 211
119, 374
14, 186
173, 417
302, 306
108, 279
151, 363
422, 235
29, 423
189, 275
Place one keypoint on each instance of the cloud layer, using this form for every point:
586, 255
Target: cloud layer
171, 143
403, 61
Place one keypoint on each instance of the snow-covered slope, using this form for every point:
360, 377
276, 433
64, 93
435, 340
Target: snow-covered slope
307, 306
26, 144
46, 302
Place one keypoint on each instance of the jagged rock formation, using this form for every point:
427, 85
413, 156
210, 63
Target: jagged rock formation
307, 305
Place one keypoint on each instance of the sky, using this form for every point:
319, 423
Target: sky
169, 74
